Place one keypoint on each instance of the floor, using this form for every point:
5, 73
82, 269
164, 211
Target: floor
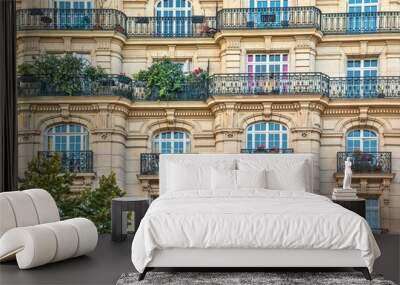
110, 260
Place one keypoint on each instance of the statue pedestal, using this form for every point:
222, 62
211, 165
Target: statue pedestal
344, 194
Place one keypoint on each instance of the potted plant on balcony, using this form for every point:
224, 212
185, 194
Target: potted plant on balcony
260, 148
26, 73
273, 150
46, 20
119, 29
164, 80
65, 75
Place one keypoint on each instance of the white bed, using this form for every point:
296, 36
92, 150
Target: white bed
213, 212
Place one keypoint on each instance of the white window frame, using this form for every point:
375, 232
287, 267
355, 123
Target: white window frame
362, 5
174, 11
362, 138
158, 140
251, 130
267, 63
362, 67
51, 135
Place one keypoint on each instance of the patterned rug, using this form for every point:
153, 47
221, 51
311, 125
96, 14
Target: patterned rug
244, 278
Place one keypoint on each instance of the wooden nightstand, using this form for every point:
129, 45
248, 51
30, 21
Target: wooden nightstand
357, 206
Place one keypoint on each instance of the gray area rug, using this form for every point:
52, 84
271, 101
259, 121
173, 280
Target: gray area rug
243, 278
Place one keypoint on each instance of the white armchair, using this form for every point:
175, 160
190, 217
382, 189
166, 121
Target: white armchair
31, 230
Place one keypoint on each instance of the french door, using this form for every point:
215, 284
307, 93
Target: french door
173, 18
362, 16
268, 13
74, 14
362, 78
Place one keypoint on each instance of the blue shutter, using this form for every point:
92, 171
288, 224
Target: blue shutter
373, 213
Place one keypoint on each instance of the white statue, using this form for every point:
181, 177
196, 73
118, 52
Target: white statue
347, 175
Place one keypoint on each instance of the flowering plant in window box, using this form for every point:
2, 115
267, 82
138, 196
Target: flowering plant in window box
273, 150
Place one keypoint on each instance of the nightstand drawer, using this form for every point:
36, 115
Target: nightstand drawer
357, 206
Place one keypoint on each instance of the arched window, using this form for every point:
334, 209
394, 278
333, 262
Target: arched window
171, 142
175, 19
362, 140
67, 137
266, 135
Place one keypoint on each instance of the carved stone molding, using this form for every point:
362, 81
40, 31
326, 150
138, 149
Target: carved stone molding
84, 108
363, 114
45, 108
146, 114
382, 110
341, 112
286, 107
103, 44
233, 42
189, 113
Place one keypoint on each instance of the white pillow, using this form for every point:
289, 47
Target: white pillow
183, 177
251, 178
223, 179
294, 178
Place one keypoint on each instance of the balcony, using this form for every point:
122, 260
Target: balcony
364, 87
71, 19
268, 18
171, 27
105, 85
365, 162
235, 84
188, 91
372, 172
359, 23
269, 84
72, 161
266, 150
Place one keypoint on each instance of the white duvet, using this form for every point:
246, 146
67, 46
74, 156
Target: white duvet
250, 219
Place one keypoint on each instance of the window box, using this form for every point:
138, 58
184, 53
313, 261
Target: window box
198, 19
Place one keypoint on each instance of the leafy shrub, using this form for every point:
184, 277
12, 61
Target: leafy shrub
64, 73
47, 173
166, 80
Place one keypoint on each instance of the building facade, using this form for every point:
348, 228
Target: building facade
320, 77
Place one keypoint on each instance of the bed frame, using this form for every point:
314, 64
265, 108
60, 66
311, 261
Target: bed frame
242, 259
246, 258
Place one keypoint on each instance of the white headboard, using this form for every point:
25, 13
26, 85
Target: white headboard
213, 158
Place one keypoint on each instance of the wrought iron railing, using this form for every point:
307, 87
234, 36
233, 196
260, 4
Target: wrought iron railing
171, 27
267, 150
268, 18
104, 85
362, 22
269, 84
71, 19
365, 162
364, 87
72, 161
188, 91
235, 84
149, 163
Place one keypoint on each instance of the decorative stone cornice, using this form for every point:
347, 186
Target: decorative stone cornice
45, 108
341, 112
147, 114
84, 108
191, 113
384, 110
286, 107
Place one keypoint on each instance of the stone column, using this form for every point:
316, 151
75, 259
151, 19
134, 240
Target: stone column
227, 134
